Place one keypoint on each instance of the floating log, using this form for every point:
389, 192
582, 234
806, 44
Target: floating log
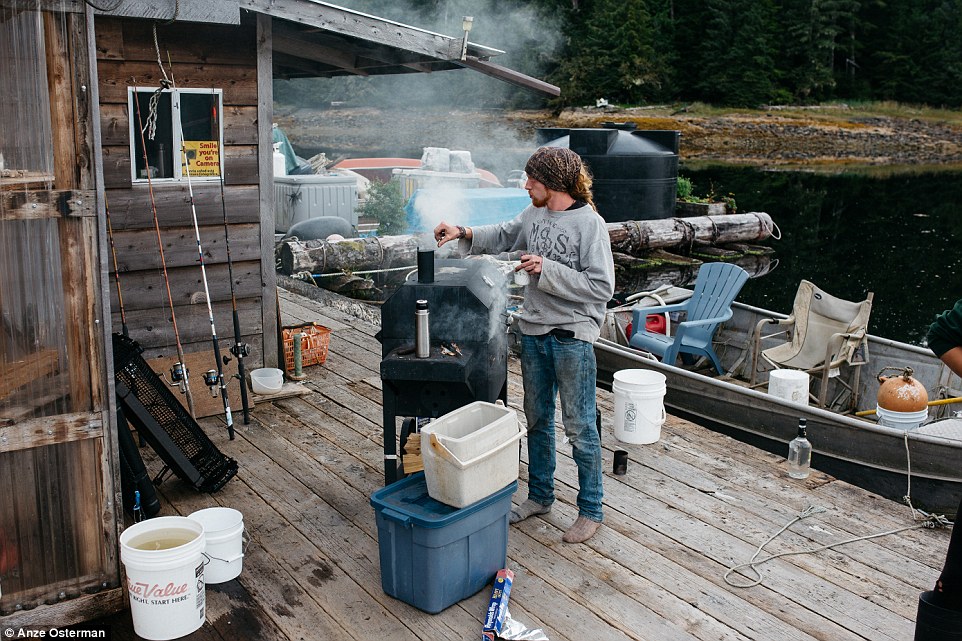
630, 237
636, 236
351, 255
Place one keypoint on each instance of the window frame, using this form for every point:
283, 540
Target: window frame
176, 132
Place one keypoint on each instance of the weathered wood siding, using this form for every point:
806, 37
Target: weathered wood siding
59, 512
200, 56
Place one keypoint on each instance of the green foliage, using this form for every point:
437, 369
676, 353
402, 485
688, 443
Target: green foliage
914, 51
729, 50
612, 56
686, 193
721, 52
386, 205
814, 44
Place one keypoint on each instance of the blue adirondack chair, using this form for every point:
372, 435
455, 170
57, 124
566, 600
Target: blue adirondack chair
716, 287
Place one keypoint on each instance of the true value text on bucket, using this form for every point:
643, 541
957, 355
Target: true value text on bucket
157, 594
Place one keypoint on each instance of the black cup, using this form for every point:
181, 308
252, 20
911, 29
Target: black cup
620, 465
426, 266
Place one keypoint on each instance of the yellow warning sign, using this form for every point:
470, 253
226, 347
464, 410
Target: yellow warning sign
203, 156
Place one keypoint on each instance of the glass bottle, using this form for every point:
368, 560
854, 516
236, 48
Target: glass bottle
800, 454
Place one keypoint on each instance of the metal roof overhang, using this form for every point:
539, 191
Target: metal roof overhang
313, 39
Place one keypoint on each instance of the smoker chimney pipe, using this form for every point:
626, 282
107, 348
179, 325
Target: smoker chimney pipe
426, 266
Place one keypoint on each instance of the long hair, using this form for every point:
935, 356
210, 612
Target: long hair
582, 188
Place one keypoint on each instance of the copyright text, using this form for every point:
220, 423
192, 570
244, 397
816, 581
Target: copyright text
54, 633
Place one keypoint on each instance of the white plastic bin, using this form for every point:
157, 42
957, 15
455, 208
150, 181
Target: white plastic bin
413, 179
298, 198
470, 453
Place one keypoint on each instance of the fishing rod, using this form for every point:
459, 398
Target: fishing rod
113, 252
239, 349
179, 373
211, 378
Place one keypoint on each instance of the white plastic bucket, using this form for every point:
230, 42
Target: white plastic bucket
164, 562
789, 384
224, 528
901, 420
470, 453
639, 405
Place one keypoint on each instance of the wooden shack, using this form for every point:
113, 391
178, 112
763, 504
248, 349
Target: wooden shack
82, 88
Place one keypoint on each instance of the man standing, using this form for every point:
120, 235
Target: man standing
944, 338
568, 260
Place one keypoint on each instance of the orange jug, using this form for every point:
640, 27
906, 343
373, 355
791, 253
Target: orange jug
901, 393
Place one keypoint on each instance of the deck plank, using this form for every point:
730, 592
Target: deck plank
293, 609
335, 515
355, 453
652, 505
691, 506
710, 502
711, 451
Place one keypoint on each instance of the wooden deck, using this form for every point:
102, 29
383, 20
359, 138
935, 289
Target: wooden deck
691, 506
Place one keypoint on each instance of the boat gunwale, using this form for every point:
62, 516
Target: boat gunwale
851, 421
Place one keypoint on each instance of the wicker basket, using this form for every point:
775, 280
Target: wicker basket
313, 346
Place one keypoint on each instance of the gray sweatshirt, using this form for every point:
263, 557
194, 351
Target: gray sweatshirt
577, 276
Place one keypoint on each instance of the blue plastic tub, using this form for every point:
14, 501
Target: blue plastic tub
469, 207
433, 555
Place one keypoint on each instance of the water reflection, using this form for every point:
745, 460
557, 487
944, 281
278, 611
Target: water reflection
850, 234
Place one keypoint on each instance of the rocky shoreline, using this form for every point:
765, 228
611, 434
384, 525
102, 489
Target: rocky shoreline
501, 140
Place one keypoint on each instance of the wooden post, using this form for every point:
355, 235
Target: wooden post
265, 114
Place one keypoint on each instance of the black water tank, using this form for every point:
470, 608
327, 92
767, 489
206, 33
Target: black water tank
635, 172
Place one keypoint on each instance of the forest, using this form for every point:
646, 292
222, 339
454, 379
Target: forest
742, 53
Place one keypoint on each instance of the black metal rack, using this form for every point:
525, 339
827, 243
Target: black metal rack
163, 422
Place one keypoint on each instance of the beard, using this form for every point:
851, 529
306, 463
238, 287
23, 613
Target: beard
538, 202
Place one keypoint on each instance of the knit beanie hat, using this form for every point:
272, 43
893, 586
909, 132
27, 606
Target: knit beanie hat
556, 168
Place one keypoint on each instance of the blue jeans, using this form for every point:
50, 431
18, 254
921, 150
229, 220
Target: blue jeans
549, 366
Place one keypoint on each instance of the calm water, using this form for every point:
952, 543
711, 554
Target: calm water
893, 233
896, 236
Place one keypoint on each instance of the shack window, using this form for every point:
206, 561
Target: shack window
172, 124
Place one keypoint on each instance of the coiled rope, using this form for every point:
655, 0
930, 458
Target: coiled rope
920, 520
165, 82
811, 510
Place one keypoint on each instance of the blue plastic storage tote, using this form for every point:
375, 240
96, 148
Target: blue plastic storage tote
433, 555
468, 207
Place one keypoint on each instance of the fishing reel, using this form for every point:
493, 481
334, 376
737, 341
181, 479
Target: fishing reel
239, 350
178, 377
212, 380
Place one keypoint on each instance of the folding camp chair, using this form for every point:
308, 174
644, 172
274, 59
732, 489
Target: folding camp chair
826, 332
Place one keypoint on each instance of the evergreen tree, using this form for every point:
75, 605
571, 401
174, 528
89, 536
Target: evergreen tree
664, 53
611, 55
726, 50
944, 71
917, 55
811, 34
